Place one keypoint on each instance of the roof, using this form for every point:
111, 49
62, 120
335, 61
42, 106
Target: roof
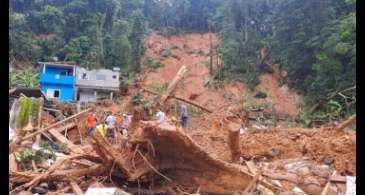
59, 64
29, 92
92, 82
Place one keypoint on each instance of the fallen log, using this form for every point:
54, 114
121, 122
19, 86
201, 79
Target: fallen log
234, 141
76, 188
346, 123
65, 141
186, 163
58, 175
192, 103
181, 99
179, 75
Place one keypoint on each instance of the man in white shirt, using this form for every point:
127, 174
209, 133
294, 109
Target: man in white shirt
161, 117
110, 122
126, 122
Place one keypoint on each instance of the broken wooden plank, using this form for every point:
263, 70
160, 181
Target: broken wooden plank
251, 167
338, 178
325, 189
76, 188
65, 141
13, 165
282, 176
54, 125
179, 75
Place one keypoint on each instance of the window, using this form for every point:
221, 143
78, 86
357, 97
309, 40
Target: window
56, 94
84, 76
53, 93
100, 77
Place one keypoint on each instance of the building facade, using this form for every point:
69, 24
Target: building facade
95, 84
57, 80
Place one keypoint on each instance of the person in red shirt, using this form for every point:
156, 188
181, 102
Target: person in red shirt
90, 124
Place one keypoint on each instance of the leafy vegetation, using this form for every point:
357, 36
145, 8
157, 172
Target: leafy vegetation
261, 94
138, 98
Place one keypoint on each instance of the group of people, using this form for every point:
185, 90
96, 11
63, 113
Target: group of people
107, 126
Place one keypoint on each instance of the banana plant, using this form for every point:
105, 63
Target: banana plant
29, 79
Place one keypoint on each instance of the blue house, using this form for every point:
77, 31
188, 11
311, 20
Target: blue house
57, 80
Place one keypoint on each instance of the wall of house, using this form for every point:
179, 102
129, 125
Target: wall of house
87, 96
66, 91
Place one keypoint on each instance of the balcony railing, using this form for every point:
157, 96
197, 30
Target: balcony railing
57, 79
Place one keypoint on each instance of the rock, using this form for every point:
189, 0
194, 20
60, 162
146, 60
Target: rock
296, 165
297, 190
39, 190
274, 152
312, 189
304, 171
311, 180
328, 160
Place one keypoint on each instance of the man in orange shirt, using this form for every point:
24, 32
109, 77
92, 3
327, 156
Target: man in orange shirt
90, 124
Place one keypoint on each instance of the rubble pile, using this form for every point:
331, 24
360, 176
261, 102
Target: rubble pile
60, 158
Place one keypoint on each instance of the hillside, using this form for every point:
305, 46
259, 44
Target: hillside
192, 50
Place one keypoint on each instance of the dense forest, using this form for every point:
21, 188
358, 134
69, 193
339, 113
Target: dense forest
314, 40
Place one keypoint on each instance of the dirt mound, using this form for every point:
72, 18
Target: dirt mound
326, 146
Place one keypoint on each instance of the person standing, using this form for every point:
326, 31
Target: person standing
184, 116
161, 117
101, 128
110, 119
90, 124
126, 122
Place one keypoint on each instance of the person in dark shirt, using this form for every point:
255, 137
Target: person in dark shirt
184, 116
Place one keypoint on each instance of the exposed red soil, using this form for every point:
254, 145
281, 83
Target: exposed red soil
192, 51
315, 144
209, 131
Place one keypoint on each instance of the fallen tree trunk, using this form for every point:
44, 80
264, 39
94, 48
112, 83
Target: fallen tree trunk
346, 123
76, 188
65, 141
234, 141
186, 163
181, 99
179, 75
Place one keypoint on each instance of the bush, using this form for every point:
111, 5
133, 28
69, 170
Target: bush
166, 53
260, 94
153, 63
138, 98
168, 31
173, 46
252, 81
